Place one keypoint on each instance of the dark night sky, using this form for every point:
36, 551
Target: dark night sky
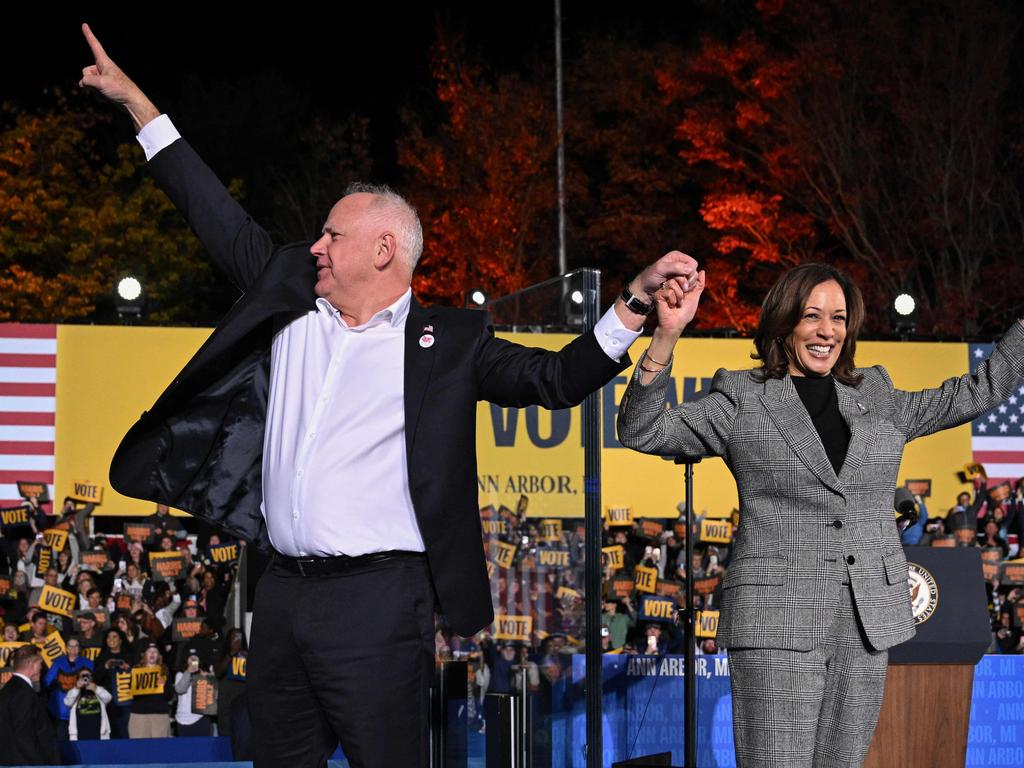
364, 58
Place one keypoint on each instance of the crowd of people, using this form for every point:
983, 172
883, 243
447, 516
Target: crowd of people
991, 518
138, 621
125, 615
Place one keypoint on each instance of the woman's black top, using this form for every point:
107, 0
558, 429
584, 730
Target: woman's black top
818, 394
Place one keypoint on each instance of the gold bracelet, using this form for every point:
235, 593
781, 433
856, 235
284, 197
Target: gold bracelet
648, 370
648, 355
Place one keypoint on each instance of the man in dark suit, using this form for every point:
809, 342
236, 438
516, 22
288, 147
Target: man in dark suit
330, 419
26, 733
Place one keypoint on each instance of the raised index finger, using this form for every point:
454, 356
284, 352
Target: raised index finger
94, 44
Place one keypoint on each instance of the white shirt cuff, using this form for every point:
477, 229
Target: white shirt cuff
157, 134
612, 336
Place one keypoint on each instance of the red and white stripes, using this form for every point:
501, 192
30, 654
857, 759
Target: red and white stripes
28, 389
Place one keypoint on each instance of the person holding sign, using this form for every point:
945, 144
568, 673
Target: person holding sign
816, 591
364, 486
151, 694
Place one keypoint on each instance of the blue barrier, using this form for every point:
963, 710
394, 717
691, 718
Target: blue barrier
643, 712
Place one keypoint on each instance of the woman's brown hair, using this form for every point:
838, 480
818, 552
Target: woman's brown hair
782, 309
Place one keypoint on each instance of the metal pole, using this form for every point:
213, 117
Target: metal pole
563, 264
689, 630
592, 531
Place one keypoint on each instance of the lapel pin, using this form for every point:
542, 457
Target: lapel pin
861, 406
426, 340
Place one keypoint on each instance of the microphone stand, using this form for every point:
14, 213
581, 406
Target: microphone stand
689, 625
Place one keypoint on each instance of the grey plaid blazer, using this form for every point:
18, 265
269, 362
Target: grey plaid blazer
802, 527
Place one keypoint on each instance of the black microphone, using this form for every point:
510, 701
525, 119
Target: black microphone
903, 503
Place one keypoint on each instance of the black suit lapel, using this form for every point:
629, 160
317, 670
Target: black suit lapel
422, 335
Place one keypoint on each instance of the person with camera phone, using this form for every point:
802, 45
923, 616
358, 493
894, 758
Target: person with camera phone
87, 708
190, 723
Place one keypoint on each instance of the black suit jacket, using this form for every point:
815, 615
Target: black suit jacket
200, 447
26, 734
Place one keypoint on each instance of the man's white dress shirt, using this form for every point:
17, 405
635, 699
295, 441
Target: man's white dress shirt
335, 471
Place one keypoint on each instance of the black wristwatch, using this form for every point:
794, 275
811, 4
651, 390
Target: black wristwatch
633, 304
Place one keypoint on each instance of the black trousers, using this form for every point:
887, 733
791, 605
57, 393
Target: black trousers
343, 657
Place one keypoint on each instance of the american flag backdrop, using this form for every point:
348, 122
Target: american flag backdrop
997, 437
28, 389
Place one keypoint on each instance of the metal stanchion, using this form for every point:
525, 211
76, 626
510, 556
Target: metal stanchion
688, 617
509, 733
447, 695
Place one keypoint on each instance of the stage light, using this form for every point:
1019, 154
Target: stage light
576, 297
129, 298
903, 315
129, 288
904, 304
476, 297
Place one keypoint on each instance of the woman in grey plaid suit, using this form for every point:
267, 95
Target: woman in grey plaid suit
816, 591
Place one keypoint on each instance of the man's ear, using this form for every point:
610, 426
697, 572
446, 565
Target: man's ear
385, 250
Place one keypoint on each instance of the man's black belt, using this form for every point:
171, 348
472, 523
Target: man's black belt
323, 566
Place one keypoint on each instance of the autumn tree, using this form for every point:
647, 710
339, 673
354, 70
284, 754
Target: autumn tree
72, 221
482, 176
876, 137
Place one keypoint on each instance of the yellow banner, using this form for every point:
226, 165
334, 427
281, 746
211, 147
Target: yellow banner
521, 452
87, 491
147, 681
508, 627
55, 600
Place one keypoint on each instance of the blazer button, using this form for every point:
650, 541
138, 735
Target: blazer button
837, 523
850, 559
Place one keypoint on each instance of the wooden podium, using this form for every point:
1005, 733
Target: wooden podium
927, 706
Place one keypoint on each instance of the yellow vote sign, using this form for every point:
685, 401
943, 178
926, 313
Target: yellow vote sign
7, 650
55, 538
707, 624
53, 648
13, 516
56, 600
645, 579
614, 556
224, 553
503, 554
87, 491
553, 558
123, 685
511, 627
716, 531
550, 530
147, 681
619, 517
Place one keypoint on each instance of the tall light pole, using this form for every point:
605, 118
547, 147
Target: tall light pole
563, 264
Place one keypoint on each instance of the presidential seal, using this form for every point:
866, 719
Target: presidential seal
924, 592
